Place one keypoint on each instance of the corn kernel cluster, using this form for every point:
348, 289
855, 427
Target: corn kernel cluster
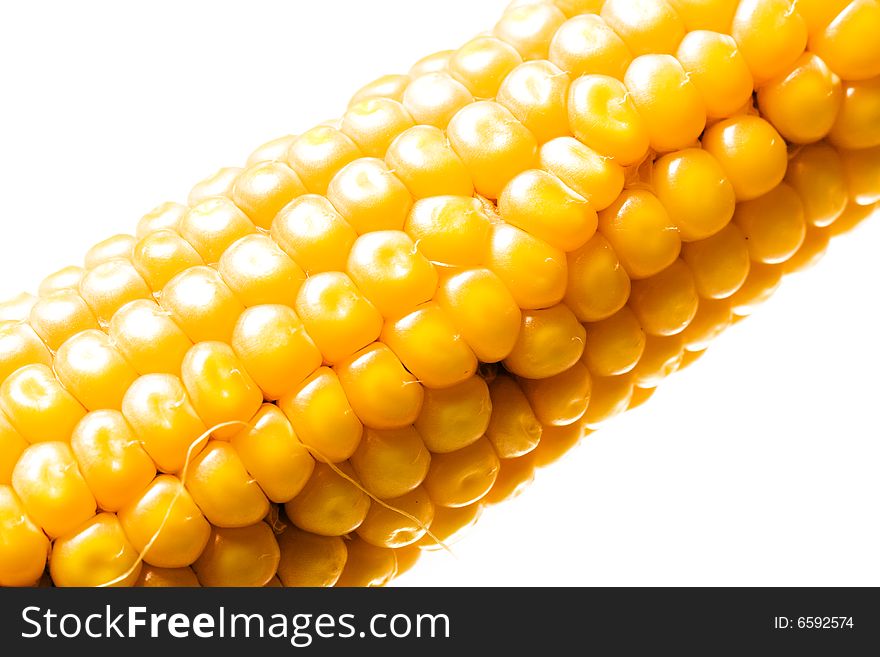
332, 358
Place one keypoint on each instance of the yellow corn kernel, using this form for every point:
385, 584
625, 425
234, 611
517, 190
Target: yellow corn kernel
67, 278
646, 26
310, 560
438, 61
598, 286
712, 318
322, 416
719, 263
550, 341
852, 216
666, 302
434, 97
454, 417
220, 388
561, 399
111, 285
329, 505
374, 123
514, 477
602, 115
715, 15
383, 394
239, 556
111, 459
610, 397
695, 191
771, 35
338, 317
640, 230
94, 370
261, 190
671, 106
848, 44
452, 230
213, 225
808, 83
449, 525
716, 67
613, 345
535, 92
52, 489
38, 406
160, 256
259, 272
390, 271
388, 528
597, 178
223, 489
387, 86
18, 308
367, 565
533, 271
513, 429
751, 152
483, 310
59, 316
585, 45
273, 454
661, 357
464, 476
98, 553
317, 154
12, 444
113, 248
493, 145
166, 216
429, 345
161, 414
148, 338
556, 442
818, 13
391, 462
423, 159
862, 172
540, 204
274, 150
812, 250
369, 196
164, 524
218, 184
761, 283
856, 125
274, 348
529, 28
482, 63
201, 303
154, 576
24, 547
313, 234
575, 7
773, 224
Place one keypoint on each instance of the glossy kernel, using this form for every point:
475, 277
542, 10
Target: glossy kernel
390, 463
148, 338
434, 97
213, 225
614, 345
773, 224
849, 44
261, 190
273, 454
113, 248
240, 556
816, 174
646, 26
550, 341
161, 255
58, 316
369, 195
719, 263
309, 559
317, 154
536, 93
586, 44
771, 35
388, 528
666, 302
259, 272
423, 159
430, 346
111, 285
313, 234
94, 370
329, 505
454, 417
464, 476
165, 216
529, 28
482, 63
200, 302
514, 429
595, 177
856, 125
24, 548
716, 67
97, 554
273, 346
38, 406
373, 124
450, 230
598, 285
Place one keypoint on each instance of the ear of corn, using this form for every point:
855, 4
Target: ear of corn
331, 359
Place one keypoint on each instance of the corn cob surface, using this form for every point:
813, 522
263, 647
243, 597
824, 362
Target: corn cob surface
433, 309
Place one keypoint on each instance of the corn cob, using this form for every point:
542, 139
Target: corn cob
354, 343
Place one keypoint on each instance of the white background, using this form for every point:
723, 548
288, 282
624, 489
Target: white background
759, 465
